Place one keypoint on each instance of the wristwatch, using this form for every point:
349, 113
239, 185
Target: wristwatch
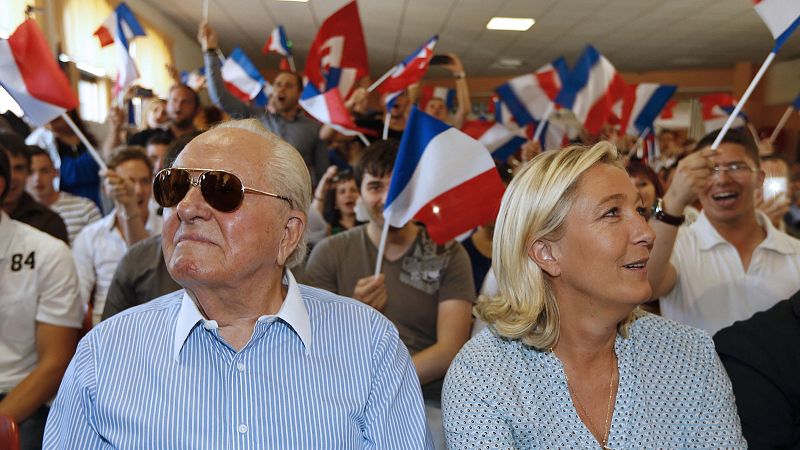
661, 215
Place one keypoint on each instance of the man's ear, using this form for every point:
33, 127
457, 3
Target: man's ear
292, 232
541, 252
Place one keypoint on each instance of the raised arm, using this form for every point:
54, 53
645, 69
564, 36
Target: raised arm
219, 95
691, 177
462, 90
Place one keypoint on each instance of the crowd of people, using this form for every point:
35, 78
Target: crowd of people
615, 301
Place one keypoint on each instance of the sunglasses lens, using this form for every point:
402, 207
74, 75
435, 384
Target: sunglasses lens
222, 190
170, 186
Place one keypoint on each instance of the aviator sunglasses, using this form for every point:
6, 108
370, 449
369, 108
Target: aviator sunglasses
222, 190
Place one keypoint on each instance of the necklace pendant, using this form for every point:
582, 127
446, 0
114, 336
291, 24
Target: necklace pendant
606, 447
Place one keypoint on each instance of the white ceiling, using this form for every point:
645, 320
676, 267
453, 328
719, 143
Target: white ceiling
636, 35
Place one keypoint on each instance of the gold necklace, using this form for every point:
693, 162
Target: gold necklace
604, 441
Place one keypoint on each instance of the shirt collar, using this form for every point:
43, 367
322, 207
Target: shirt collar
293, 311
708, 236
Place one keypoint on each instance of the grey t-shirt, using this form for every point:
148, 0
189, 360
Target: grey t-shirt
426, 275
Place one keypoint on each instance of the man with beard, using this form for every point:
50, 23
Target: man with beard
182, 106
282, 116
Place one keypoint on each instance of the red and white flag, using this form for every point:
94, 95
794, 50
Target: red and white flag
30, 74
338, 54
408, 72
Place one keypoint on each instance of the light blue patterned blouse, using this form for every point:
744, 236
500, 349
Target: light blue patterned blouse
326, 372
673, 393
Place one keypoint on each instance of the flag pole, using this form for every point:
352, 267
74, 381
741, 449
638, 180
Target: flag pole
386, 125
291, 63
781, 124
382, 79
382, 246
545, 118
743, 100
639, 145
363, 139
205, 11
82, 137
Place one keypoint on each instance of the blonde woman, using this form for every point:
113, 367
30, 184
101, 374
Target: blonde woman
568, 361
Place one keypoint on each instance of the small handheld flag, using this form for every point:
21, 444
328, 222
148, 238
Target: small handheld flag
121, 27
278, 42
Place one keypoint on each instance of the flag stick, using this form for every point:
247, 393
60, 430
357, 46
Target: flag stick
753, 133
781, 124
545, 118
639, 145
89, 146
381, 79
291, 63
743, 100
205, 11
363, 139
382, 246
386, 125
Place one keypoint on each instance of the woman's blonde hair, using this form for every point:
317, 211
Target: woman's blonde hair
535, 207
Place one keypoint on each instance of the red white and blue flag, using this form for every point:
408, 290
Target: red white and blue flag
781, 16
717, 108
501, 141
642, 104
194, 79
593, 87
121, 27
442, 178
277, 42
445, 94
408, 72
243, 79
528, 97
30, 74
338, 54
329, 109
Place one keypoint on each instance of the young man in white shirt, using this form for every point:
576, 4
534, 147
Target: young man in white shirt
732, 262
40, 315
102, 244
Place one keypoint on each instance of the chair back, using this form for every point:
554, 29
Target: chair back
9, 433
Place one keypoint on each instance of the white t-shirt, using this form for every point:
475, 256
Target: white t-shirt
98, 250
713, 290
37, 284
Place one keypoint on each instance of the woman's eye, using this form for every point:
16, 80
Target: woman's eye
613, 212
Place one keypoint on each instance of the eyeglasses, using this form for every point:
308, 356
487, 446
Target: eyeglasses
733, 169
222, 190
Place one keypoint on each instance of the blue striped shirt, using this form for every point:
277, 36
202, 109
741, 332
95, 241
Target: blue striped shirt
325, 372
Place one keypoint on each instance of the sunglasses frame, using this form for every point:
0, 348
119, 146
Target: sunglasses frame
195, 182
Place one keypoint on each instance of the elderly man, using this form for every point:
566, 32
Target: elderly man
244, 356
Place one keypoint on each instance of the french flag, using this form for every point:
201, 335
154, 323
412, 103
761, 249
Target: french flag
242, 78
277, 42
442, 178
716, 108
338, 54
529, 96
408, 72
30, 74
781, 16
329, 109
498, 139
194, 79
642, 104
594, 86
554, 135
121, 27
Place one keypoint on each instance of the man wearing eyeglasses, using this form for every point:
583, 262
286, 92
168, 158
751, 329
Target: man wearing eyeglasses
243, 357
732, 262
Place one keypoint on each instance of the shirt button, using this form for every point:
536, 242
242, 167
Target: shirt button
240, 367
242, 428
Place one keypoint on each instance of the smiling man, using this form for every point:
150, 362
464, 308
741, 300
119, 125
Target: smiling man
732, 262
282, 116
244, 357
